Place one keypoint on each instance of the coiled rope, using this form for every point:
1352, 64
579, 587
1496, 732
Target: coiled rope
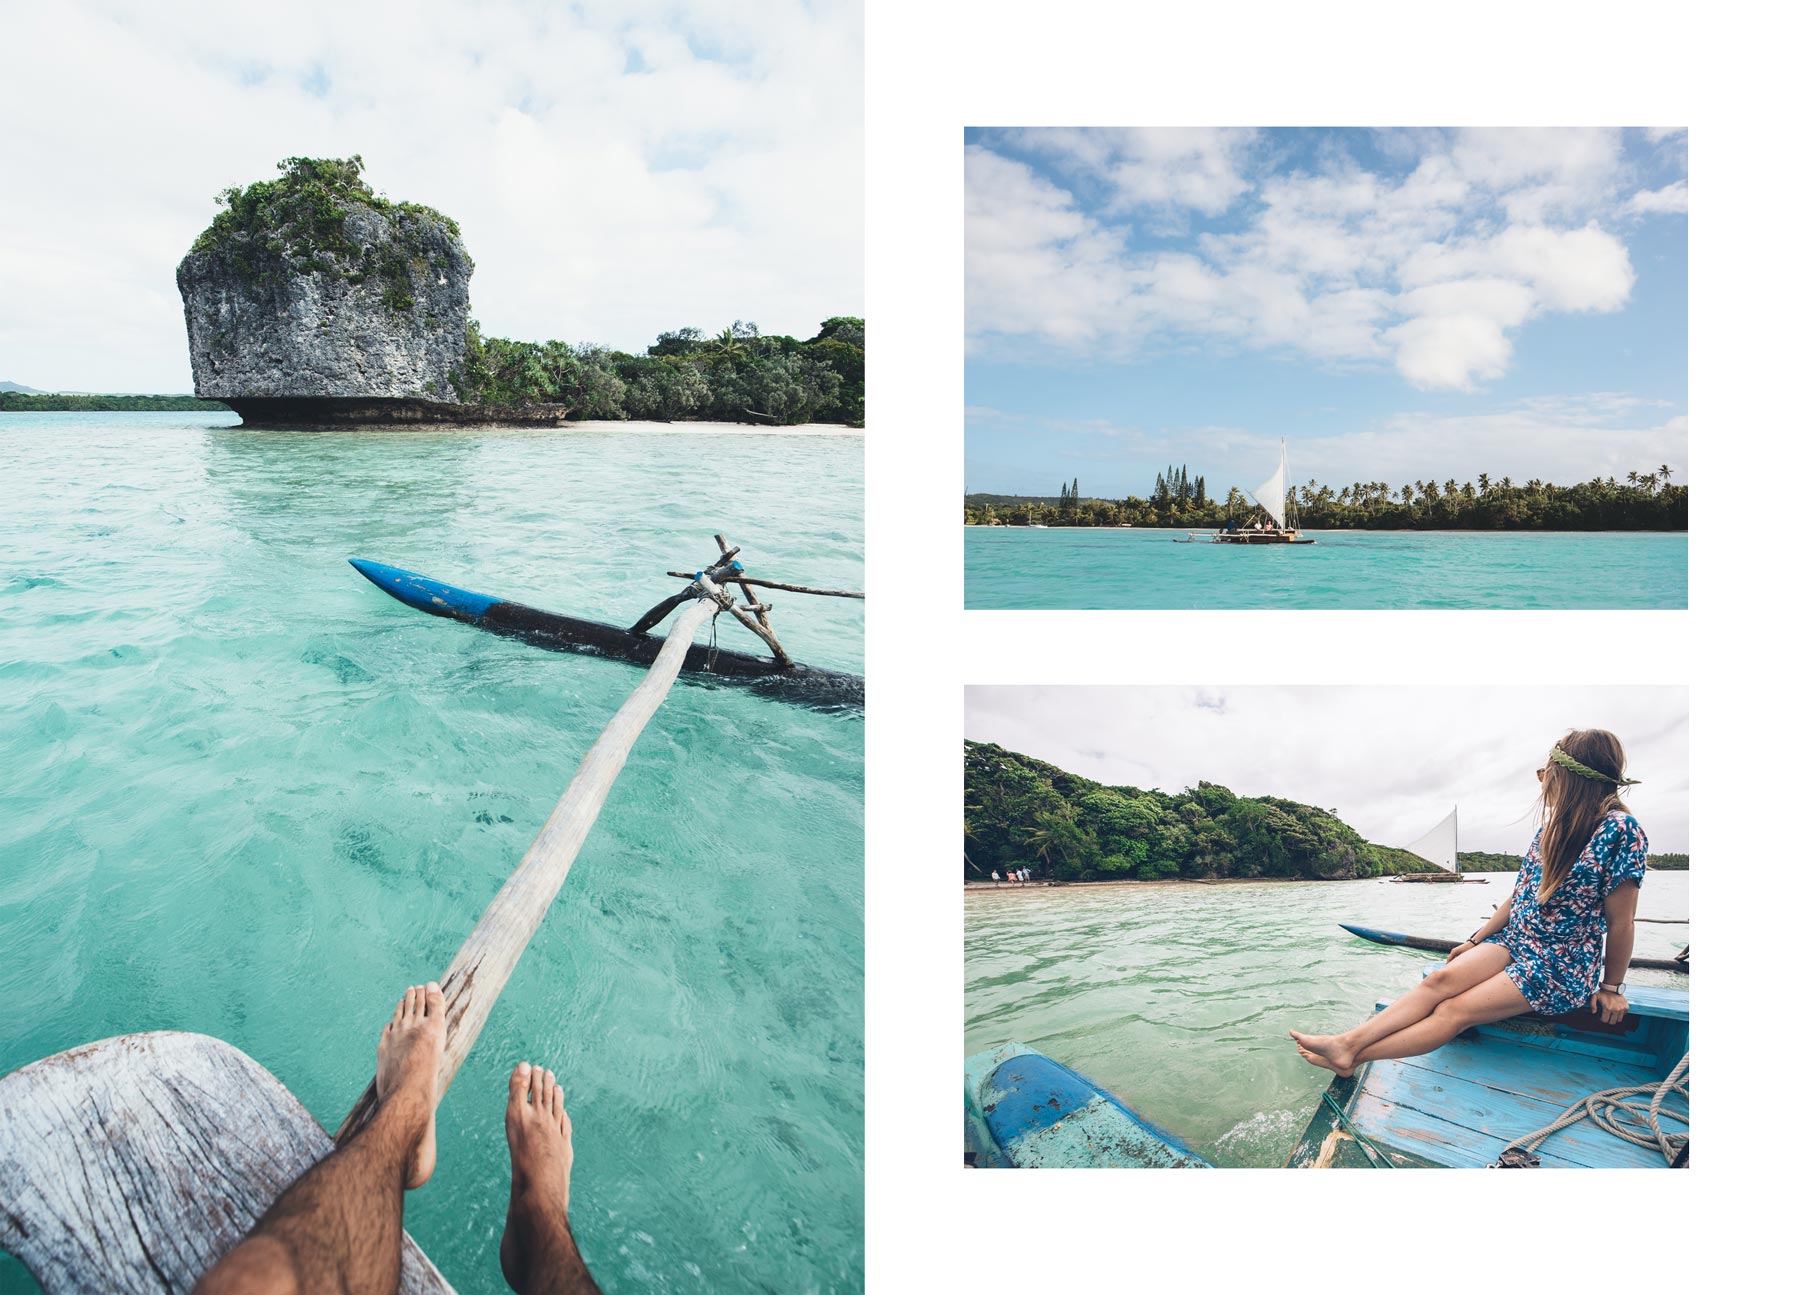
1639, 1124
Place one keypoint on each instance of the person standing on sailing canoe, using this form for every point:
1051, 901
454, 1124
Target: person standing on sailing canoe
1561, 941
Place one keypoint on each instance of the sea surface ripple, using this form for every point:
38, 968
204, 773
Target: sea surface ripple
247, 794
1178, 997
1131, 569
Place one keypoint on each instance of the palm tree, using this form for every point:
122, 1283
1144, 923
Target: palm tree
1664, 473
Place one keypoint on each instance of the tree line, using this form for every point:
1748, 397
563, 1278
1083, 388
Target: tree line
18, 402
1019, 811
1488, 861
1644, 501
735, 376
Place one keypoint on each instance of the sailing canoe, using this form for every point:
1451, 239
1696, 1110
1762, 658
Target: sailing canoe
806, 685
1023, 1110
1430, 945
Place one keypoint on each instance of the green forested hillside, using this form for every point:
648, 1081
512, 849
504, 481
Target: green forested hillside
1017, 810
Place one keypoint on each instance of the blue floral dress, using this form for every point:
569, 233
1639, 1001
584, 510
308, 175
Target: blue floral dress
1558, 947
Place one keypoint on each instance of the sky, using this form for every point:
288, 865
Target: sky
1392, 761
1399, 304
617, 169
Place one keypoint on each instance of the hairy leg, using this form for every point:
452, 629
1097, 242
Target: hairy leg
337, 1227
538, 1255
1494, 999
1338, 1052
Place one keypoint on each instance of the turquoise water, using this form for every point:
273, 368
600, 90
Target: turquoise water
1015, 567
1178, 998
247, 794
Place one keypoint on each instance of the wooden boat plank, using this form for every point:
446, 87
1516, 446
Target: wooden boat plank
1420, 1139
1483, 1112
133, 1164
1530, 1069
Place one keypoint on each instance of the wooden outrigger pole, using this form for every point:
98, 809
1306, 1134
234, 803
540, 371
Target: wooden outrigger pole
134, 1163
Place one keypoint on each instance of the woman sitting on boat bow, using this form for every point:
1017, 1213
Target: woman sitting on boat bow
1561, 940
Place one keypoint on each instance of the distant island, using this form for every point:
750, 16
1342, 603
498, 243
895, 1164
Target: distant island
15, 402
1645, 501
1486, 861
1019, 811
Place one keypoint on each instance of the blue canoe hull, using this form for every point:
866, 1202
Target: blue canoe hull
805, 685
1024, 1110
1430, 945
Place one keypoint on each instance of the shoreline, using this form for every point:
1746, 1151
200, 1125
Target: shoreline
1330, 530
990, 887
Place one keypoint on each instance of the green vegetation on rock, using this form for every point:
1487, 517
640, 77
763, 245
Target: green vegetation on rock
302, 221
1020, 811
1647, 501
738, 376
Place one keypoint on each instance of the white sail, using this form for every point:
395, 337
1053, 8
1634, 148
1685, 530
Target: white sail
1438, 845
1272, 494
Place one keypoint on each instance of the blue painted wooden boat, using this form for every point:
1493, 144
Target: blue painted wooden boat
1024, 1110
1431, 945
806, 685
1494, 1084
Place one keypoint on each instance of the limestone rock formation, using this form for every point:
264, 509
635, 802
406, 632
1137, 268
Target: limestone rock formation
311, 299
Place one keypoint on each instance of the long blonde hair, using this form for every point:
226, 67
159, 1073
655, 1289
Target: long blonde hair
1571, 805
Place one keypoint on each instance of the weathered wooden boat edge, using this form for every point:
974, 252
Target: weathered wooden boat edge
161, 1107
808, 685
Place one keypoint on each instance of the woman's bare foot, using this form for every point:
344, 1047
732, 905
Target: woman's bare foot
1322, 1063
406, 1063
1326, 1050
538, 1134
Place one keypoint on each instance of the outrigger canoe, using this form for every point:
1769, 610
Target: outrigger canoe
806, 685
1432, 945
1023, 1110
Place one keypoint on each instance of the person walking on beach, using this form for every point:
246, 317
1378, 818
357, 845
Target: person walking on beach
1561, 941
338, 1226
995, 874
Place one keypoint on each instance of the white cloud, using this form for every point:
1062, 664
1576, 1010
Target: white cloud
1500, 225
615, 173
1161, 169
1669, 198
1384, 757
1559, 439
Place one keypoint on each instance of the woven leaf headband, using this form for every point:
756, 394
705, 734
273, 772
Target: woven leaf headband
1573, 765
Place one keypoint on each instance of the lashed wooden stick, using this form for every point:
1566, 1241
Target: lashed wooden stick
776, 584
745, 619
480, 969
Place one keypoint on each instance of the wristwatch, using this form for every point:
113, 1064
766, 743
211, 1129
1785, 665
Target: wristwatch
1614, 989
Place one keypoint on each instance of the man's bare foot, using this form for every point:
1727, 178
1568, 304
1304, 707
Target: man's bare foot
406, 1066
1327, 1050
538, 1134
